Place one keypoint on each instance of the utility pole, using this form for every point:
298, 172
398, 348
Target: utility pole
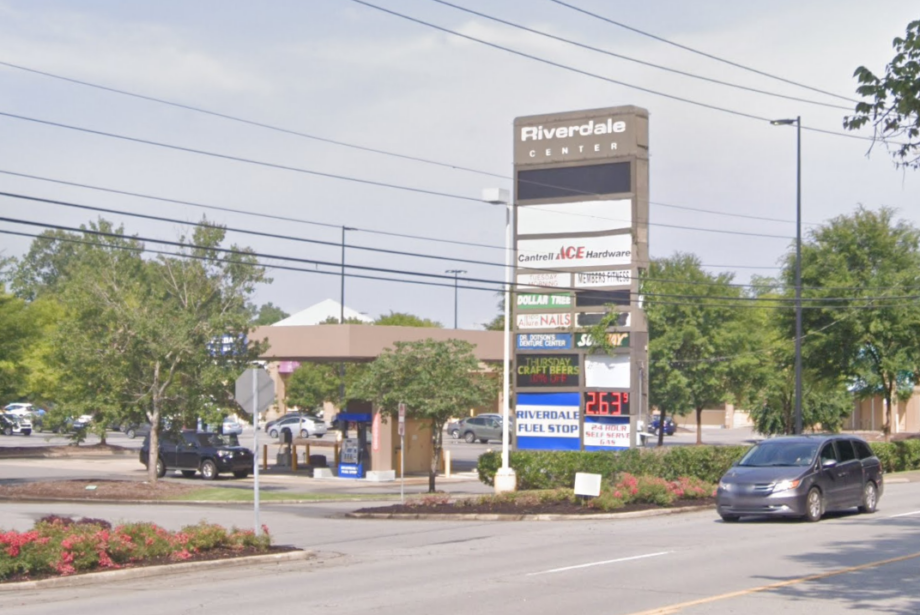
342, 317
456, 273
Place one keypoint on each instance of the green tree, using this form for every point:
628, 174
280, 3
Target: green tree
435, 379
498, 323
894, 105
313, 384
21, 331
269, 314
699, 338
402, 319
860, 323
160, 338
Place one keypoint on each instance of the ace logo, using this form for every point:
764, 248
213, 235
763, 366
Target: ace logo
572, 253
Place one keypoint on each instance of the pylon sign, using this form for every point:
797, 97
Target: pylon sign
581, 243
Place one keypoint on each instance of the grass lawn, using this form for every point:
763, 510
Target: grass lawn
233, 494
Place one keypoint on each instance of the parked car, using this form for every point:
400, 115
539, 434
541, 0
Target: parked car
231, 426
133, 430
11, 424
298, 425
19, 409
484, 427
802, 476
205, 452
287, 416
82, 422
669, 426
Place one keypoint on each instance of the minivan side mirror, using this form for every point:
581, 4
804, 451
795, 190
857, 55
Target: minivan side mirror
828, 463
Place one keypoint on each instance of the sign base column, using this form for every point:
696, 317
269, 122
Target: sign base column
505, 480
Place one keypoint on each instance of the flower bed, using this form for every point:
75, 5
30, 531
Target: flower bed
60, 546
626, 492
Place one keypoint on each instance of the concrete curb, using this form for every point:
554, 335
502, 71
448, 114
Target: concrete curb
638, 514
388, 498
154, 571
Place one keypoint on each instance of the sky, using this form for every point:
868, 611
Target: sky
342, 71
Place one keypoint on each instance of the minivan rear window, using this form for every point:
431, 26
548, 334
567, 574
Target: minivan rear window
862, 449
845, 450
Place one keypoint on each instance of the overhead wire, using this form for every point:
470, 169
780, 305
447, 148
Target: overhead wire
636, 60
586, 73
638, 297
702, 53
347, 144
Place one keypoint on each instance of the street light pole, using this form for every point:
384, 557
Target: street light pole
798, 268
342, 315
505, 479
456, 273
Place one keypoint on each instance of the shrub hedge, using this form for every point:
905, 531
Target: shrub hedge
556, 469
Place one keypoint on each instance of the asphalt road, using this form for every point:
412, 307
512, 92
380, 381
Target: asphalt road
688, 563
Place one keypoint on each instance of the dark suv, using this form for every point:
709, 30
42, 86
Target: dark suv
208, 453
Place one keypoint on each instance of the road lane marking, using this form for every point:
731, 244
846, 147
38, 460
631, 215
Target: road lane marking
603, 563
916, 512
675, 608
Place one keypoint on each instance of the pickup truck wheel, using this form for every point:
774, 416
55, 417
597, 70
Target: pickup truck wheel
208, 470
161, 468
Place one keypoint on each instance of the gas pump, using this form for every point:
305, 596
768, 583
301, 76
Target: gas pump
354, 458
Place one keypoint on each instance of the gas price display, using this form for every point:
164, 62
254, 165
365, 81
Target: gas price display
606, 403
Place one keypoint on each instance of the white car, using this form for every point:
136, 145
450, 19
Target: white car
19, 409
301, 426
232, 426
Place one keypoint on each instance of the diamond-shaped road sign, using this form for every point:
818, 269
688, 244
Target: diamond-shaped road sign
255, 388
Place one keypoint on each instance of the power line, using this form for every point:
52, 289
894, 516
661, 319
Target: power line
262, 163
334, 244
639, 297
596, 76
245, 212
702, 53
249, 264
636, 60
654, 224
338, 142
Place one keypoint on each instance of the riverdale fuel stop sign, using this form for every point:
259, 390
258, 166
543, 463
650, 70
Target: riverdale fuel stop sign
557, 370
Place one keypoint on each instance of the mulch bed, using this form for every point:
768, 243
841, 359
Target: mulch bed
104, 490
509, 508
214, 554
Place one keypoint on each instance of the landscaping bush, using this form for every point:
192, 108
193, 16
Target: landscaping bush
900, 456
630, 489
60, 545
554, 469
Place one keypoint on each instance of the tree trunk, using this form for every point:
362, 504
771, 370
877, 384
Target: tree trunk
154, 453
661, 418
699, 425
886, 426
435, 457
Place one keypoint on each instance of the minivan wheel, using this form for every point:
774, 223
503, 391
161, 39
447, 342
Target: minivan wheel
729, 518
469, 437
208, 470
814, 505
870, 498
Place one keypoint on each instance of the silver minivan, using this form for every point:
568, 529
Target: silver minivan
801, 476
